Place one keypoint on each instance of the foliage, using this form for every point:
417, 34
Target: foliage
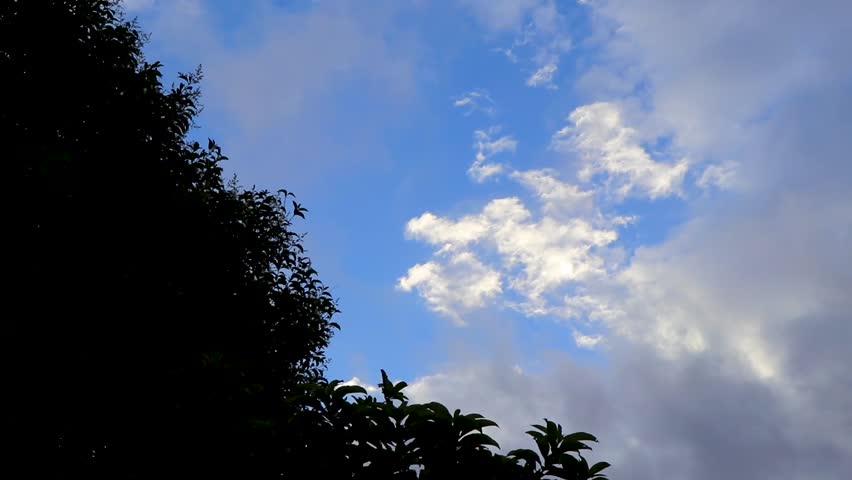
345, 433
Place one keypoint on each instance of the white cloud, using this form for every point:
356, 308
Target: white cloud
589, 342
450, 235
536, 257
485, 149
482, 171
356, 382
543, 77
453, 287
551, 253
557, 197
608, 147
476, 100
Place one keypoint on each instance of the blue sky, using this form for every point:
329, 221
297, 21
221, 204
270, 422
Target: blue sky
632, 217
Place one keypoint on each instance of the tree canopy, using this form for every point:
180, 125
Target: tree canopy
343, 432
137, 273
165, 322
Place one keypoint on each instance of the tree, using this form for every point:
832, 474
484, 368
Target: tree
162, 322
146, 295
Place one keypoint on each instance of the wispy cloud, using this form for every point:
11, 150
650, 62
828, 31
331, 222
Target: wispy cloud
540, 36
476, 101
486, 147
543, 77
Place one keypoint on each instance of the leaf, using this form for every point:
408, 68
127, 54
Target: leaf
400, 386
530, 457
349, 390
568, 460
581, 437
386, 383
553, 430
573, 446
484, 422
600, 466
479, 439
543, 446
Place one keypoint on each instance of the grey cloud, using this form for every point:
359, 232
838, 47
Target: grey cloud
282, 61
731, 59
697, 418
279, 74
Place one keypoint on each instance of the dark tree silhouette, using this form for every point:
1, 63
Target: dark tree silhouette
147, 298
160, 322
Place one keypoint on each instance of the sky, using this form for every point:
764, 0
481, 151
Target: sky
633, 218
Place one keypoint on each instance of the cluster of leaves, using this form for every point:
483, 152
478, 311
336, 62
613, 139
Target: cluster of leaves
344, 432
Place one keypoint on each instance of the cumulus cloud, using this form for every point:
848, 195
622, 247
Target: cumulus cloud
557, 197
454, 286
535, 256
552, 253
448, 234
608, 147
